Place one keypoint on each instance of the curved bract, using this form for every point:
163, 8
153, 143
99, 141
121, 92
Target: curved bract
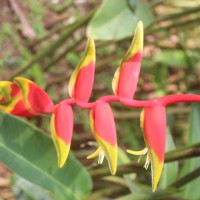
103, 127
126, 77
61, 131
36, 100
81, 82
154, 128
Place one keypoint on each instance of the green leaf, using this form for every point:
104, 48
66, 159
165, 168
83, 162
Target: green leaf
191, 190
25, 190
30, 154
114, 19
143, 12
170, 171
172, 58
135, 196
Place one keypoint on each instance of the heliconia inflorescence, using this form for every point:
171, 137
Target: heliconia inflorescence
25, 98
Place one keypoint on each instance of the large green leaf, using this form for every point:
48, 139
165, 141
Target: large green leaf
191, 190
30, 154
25, 190
114, 20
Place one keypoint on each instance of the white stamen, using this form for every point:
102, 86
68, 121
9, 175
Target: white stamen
101, 156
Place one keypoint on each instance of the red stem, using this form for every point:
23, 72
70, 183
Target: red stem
109, 98
85, 105
177, 98
162, 101
135, 103
68, 101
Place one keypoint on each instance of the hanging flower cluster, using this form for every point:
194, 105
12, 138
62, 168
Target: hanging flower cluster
23, 97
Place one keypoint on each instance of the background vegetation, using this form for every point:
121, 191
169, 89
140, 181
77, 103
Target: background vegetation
43, 41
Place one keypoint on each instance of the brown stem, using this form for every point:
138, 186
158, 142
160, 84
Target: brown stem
186, 179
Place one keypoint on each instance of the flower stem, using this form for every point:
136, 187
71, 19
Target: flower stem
177, 98
135, 103
85, 105
162, 101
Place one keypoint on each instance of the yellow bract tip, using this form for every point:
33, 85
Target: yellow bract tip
62, 149
156, 169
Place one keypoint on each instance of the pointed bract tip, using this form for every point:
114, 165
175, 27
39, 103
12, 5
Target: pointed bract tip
156, 168
110, 152
62, 153
113, 161
62, 149
91, 49
140, 25
91, 41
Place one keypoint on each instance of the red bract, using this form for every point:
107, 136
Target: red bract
35, 99
103, 127
153, 124
126, 77
81, 82
154, 128
11, 99
61, 131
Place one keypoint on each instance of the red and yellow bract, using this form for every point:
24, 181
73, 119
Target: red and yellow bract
11, 100
126, 77
103, 127
61, 131
153, 122
35, 99
81, 82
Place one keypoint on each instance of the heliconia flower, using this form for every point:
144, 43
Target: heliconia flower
153, 124
126, 77
104, 130
11, 100
61, 131
35, 99
82, 79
